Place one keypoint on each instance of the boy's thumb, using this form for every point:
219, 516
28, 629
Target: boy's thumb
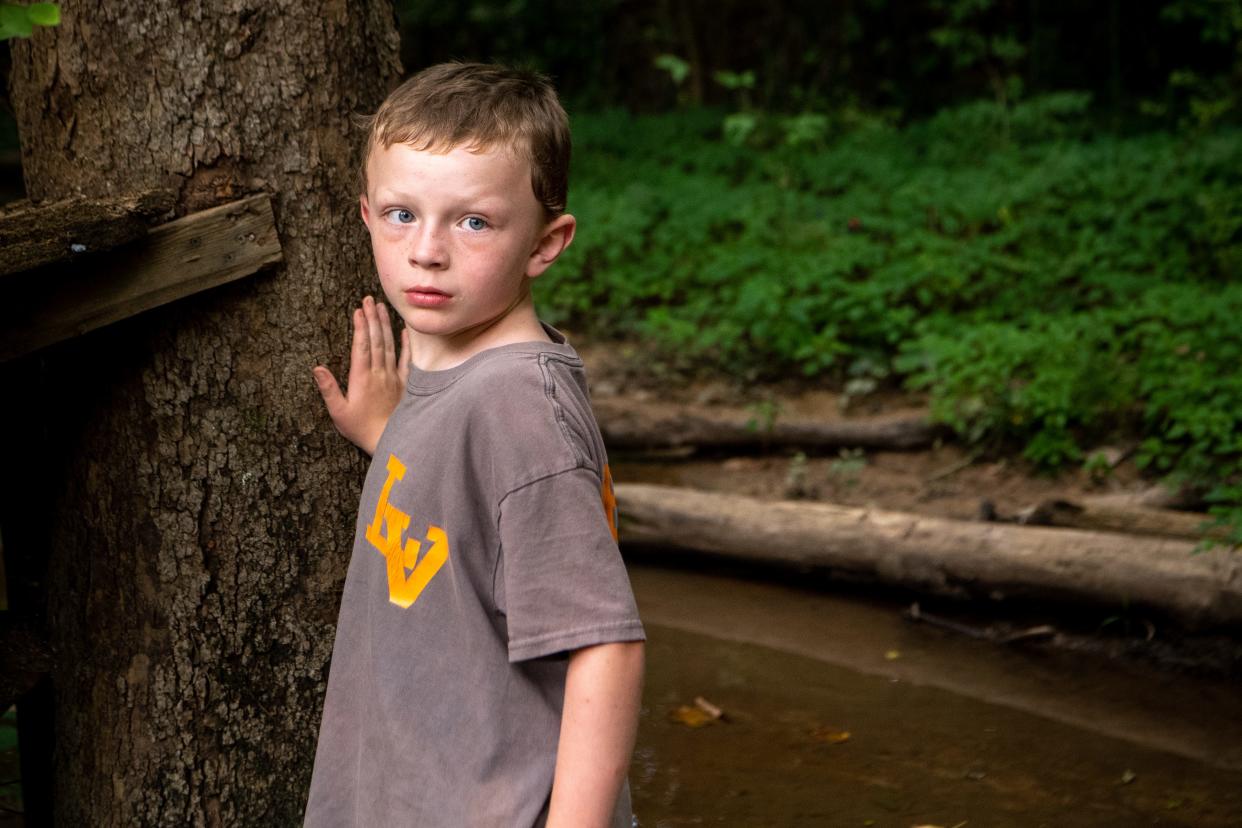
329, 389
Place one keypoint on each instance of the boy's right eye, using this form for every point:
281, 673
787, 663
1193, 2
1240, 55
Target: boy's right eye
400, 216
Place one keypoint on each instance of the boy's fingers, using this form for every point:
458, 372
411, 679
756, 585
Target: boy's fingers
375, 334
385, 325
329, 389
360, 354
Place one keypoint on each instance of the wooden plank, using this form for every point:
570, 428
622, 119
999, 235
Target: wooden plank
182, 257
34, 236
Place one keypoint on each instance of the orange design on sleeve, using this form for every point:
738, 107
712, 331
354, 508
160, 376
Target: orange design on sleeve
609, 497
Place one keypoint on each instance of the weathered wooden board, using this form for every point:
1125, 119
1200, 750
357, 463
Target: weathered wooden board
941, 556
176, 259
34, 236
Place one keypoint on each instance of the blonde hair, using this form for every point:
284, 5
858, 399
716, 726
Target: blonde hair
480, 107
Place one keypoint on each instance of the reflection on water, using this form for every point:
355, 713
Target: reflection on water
940, 731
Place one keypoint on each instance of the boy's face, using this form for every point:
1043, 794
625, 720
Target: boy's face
457, 236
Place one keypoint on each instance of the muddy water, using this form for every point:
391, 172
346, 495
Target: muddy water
941, 731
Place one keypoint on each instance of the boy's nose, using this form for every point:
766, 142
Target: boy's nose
427, 249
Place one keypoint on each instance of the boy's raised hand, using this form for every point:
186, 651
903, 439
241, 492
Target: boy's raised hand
377, 378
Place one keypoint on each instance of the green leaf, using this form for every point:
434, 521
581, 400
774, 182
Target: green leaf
14, 21
44, 14
735, 80
677, 68
738, 127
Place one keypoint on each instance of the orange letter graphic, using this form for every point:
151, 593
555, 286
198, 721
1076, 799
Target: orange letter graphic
404, 590
609, 497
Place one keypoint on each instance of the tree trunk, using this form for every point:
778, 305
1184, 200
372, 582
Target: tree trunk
941, 556
200, 508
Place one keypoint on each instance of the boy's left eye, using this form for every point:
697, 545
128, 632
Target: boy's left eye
475, 223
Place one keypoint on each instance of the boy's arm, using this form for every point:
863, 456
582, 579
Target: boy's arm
376, 378
603, 691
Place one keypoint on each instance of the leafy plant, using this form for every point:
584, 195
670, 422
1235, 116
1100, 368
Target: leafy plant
763, 416
19, 21
1049, 287
1204, 98
678, 70
848, 465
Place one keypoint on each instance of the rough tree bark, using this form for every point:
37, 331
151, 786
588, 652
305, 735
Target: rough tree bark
201, 515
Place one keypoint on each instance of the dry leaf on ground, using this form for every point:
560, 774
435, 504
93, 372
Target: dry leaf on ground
830, 735
691, 716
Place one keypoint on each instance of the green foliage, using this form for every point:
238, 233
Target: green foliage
1203, 97
19, 21
1049, 288
967, 41
678, 70
1177, 59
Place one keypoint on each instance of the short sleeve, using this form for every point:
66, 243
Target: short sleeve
561, 582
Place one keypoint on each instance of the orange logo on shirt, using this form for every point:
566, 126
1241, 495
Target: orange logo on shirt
609, 497
407, 575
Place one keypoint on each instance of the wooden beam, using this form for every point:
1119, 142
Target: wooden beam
191, 254
34, 236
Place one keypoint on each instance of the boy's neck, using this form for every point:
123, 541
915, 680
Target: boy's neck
433, 352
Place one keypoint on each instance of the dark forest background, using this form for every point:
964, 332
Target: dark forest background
1138, 60
1029, 211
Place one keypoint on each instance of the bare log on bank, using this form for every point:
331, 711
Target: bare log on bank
655, 426
1107, 513
942, 556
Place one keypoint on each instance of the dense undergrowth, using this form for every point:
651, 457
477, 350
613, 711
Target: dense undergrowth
1051, 286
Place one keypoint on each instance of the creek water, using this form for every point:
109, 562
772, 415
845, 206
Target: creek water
837, 712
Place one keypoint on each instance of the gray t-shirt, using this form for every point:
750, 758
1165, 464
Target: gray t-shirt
485, 550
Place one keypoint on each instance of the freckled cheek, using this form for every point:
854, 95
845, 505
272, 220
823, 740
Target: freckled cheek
388, 257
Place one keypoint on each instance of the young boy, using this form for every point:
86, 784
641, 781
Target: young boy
488, 657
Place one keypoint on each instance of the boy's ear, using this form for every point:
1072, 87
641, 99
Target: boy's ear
365, 208
556, 236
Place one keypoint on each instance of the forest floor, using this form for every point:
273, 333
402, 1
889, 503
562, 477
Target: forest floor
944, 480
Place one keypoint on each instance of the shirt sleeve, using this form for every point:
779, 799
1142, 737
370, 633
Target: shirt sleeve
562, 584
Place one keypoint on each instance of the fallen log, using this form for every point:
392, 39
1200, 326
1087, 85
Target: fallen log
942, 556
656, 426
1112, 514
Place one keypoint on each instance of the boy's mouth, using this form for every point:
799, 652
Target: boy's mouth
426, 297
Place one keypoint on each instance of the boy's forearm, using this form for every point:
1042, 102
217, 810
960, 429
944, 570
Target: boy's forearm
603, 691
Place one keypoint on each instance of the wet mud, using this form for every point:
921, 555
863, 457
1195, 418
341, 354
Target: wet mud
838, 712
